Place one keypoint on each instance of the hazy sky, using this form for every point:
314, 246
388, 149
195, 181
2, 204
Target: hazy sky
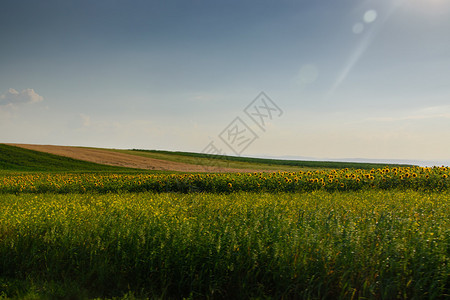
349, 78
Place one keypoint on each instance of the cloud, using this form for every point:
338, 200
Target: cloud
434, 112
85, 120
13, 97
406, 118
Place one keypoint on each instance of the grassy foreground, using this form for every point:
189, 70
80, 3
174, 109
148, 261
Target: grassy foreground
318, 245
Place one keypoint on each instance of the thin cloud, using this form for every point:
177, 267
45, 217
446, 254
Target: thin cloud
13, 97
406, 118
85, 120
434, 112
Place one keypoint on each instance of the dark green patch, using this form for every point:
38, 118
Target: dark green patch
18, 159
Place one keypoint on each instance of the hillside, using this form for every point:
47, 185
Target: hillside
271, 164
27, 157
14, 158
105, 157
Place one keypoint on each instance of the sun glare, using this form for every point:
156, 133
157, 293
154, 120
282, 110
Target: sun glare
433, 6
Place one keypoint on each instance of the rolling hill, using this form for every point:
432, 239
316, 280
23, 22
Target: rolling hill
27, 157
14, 158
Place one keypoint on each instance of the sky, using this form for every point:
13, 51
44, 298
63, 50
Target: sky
324, 79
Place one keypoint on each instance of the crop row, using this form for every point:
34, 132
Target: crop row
416, 178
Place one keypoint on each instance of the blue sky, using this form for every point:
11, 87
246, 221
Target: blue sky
353, 78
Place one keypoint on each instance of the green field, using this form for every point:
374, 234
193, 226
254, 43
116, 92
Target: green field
14, 159
75, 230
24, 160
241, 162
318, 245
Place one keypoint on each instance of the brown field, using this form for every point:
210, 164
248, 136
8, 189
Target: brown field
107, 157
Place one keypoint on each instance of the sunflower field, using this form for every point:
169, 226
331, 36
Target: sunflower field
327, 234
416, 178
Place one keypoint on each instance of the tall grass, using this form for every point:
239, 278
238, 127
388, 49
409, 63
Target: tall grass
318, 245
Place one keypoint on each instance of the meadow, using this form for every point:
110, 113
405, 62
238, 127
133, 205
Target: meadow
368, 244
76, 230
